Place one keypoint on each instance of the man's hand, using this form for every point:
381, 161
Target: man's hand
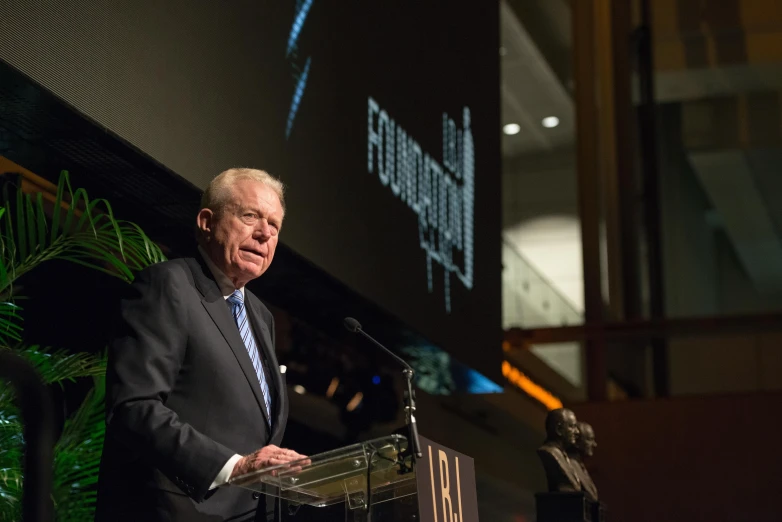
263, 458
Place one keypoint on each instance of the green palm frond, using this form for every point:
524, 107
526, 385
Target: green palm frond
84, 232
81, 230
10, 425
11, 439
11, 447
10, 493
77, 459
10, 322
56, 366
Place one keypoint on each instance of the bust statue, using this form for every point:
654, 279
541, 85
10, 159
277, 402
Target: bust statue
561, 433
585, 447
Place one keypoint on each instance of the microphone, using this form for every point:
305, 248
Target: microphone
354, 326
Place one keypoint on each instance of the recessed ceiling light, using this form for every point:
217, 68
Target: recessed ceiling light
301, 390
511, 128
550, 122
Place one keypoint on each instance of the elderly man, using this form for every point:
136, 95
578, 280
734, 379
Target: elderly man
194, 392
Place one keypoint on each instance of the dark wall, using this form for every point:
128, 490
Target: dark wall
289, 86
705, 458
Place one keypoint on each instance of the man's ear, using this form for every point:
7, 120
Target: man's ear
204, 221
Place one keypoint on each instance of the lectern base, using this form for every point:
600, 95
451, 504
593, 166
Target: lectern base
568, 507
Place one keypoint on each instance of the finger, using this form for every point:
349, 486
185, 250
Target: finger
286, 458
276, 462
290, 454
290, 458
280, 459
260, 459
269, 451
294, 454
289, 469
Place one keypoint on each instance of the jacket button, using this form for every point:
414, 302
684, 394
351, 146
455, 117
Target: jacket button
256, 495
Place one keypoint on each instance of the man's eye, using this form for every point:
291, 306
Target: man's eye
251, 215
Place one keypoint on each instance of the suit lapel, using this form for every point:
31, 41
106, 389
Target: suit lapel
215, 305
264, 340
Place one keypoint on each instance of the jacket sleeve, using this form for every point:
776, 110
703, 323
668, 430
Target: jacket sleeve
145, 356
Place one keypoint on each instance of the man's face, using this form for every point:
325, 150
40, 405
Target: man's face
569, 427
586, 440
242, 236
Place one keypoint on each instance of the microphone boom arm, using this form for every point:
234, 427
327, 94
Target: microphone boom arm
389, 352
355, 327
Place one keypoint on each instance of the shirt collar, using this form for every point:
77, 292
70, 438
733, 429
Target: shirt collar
223, 281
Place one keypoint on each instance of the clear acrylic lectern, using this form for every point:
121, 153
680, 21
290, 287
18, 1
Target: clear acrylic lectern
365, 476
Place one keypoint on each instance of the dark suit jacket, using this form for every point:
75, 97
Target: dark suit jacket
182, 397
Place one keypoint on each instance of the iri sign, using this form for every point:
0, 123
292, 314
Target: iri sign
446, 485
440, 193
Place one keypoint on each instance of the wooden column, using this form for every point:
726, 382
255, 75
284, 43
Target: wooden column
589, 190
608, 183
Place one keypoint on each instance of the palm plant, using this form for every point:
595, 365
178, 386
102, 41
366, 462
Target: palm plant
84, 232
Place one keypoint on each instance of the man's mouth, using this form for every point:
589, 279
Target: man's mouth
253, 252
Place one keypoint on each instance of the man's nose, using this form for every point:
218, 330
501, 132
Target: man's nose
263, 230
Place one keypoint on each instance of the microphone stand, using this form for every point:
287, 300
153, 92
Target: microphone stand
414, 444
408, 373
410, 415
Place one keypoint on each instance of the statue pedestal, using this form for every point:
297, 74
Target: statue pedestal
568, 507
598, 512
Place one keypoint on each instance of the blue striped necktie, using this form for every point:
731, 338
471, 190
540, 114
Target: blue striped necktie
240, 316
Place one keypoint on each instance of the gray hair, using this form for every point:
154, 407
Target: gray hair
218, 193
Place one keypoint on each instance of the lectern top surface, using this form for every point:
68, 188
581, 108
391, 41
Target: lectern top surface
339, 475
